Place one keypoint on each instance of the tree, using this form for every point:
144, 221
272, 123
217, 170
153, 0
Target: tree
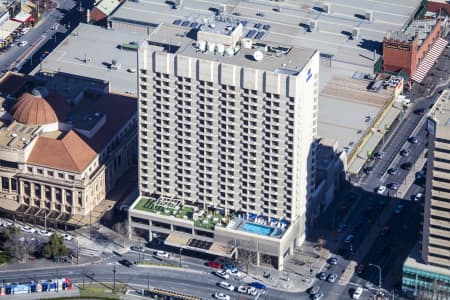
15, 246
55, 247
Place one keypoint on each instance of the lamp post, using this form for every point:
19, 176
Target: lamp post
114, 279
379, 274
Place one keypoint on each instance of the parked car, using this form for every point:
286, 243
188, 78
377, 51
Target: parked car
323, 276
333, 260
25, 30
125, 262
379, 154
28, 229
393, 171
221, 296
414, 139
341, 228
381, 189
22, 44
67, 237
318, 296
222, 274
394, 186
398, 209
368, 170
418, 197
162, 254
357, 292
257, 285
407, 166
45, 232
247, 290
360, 269
226, 285
405, 152
138, 248
215, 265
314, 290
332, 277
229, 267
349, 238
7, 224
419, 111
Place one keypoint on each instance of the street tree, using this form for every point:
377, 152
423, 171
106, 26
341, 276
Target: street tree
55, 247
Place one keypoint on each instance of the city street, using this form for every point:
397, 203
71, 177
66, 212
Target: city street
44, 36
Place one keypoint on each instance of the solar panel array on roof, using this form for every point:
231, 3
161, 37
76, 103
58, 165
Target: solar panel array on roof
244, 23
177, 22
259, 35
258, 25
250, 34
266, 27
193, 25
185, 23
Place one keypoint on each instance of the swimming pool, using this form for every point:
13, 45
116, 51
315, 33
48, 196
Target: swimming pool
257, 228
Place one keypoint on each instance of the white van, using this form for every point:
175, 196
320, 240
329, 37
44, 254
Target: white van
357, 293
25, 30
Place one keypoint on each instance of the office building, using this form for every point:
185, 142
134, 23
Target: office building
425, 272
226, 140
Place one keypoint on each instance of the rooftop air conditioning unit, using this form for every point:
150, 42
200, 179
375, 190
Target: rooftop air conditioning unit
355, 33
369, 15
313, 25
326, 8
115, 65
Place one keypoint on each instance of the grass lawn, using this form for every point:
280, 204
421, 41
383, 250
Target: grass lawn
103, 290
4, 257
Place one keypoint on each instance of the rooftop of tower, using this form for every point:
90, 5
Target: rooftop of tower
223, 41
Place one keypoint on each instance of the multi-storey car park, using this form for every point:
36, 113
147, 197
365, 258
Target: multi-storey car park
225, 141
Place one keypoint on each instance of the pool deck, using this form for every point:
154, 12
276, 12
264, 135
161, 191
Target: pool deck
238, 223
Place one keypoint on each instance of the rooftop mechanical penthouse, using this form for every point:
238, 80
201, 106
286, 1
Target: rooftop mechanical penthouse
226, 142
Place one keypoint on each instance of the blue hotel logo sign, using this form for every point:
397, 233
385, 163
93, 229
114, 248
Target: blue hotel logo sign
308, 75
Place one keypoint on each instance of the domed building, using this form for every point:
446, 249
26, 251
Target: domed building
58, 161
34, 109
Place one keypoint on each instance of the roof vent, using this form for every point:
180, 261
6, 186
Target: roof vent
258, 55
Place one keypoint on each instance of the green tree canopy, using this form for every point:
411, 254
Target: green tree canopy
55, 247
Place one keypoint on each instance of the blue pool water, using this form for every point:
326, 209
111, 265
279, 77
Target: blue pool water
257, 228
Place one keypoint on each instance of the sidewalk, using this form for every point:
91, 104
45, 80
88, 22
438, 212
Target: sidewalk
297, 276
74, 292
43, 264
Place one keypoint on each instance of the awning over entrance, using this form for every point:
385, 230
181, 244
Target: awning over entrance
23, 17
429, 59
185, 241
9, 205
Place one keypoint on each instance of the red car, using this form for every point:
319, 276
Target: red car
215, 265
360, 269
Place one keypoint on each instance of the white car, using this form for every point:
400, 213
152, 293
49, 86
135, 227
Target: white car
418, 197
222, 274
226, 285
381, 189
67, 237
28, 229
221, 296
162, 254
7, 224
22, 44
45, 232
247, 290
25, 30
357, 293
236, 273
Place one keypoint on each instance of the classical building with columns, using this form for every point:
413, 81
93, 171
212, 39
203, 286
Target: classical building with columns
62, 150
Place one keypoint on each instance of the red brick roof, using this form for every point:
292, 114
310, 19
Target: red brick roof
71, 153
97, 15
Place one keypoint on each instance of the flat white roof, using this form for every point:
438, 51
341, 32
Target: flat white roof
90, 50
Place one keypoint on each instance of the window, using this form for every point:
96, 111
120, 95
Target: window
50, 173
40, 171
61, 175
